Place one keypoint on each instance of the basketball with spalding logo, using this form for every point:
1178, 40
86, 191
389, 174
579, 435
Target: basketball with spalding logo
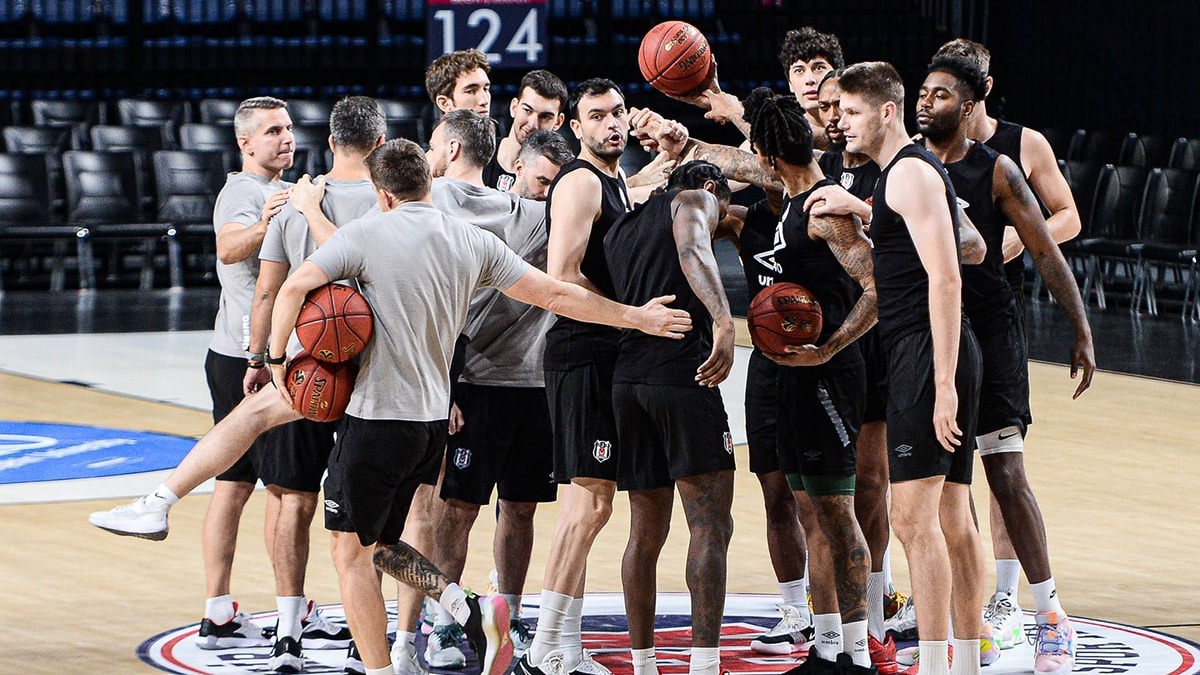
334, 323
781, 315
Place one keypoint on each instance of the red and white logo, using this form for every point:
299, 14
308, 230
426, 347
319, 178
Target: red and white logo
462, 457
602, 451
728, 442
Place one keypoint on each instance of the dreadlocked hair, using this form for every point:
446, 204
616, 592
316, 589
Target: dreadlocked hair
778, 126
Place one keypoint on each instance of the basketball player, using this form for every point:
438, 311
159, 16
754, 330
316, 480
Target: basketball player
671, 422
1011, 495
295, 455
542, 155
540, 103
933, 366
995, 188
460, 80
419, 269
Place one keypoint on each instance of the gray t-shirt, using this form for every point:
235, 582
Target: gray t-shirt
419, 269
508, 338
288, 238
240, 201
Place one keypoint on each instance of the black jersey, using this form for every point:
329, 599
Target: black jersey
495, 176
756, 245
985, 289
858, 180
571, 343
810, 263
900, 278
1007, 141
644, 261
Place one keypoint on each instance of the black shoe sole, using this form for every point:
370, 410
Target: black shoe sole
152, 536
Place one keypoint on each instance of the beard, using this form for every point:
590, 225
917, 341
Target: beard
940, 128
602, 150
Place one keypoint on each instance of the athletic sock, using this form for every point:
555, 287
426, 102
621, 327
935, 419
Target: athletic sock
794, 592
705, 661
386, 670
1008, 575
887, 569
876, 588
828, 630
405, 637
289, 615
454, 604
219, 610
163, 496
854, 642
966, 661
933, 657
514, 605
1045, 596
807, 585
644, 661
552, 612
571, 637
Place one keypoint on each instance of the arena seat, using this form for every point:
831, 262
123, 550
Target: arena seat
1169, 218
26, 220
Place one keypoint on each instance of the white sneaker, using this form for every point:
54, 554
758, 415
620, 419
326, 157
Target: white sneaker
903, 626
443, 650
1006, 619
405, 661
793, 632
318, 632
239, 632
521, 635
139, 518
590, 666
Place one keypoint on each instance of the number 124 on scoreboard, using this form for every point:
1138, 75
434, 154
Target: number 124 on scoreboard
511, 33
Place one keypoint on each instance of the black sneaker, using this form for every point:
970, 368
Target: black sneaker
525, 667
286, 657
845, 664
815, 665
354, 664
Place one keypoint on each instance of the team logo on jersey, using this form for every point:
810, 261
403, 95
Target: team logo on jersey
462, 458
962, 203
503, 183
1100, 646
728, 442
847, 179
602, 451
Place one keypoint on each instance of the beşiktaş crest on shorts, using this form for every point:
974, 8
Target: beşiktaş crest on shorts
602, 451
728, 442
462, 457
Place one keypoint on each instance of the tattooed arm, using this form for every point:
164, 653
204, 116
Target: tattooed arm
696, 214
738, 165
1017, 202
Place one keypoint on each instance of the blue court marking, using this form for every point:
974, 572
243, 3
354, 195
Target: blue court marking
34, 452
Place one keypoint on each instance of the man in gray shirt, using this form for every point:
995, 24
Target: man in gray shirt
419, 269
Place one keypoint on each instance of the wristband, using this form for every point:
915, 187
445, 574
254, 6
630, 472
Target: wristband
272, 361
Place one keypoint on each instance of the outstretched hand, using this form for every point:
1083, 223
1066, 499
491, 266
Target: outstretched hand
655, 318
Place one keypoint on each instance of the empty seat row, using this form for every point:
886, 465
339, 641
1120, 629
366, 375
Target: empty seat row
1125, 149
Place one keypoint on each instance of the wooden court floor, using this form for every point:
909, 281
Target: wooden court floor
1116, 473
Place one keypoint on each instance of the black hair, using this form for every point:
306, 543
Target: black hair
778, 126
592, 87
547, 85
694, 174
806, 44
972, 82
548, 144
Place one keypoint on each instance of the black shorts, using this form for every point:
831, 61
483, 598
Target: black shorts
374, 470
761, 404
875, 408
821, 412
295, 455
913, 449
1004, 381
225, 375
505, 444
581, 419
669, 432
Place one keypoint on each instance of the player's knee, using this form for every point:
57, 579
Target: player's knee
347, 551
518, 511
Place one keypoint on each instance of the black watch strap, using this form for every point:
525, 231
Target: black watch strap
276, 361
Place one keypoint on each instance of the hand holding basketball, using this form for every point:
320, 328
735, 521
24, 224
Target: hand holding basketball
675, 59
784, 315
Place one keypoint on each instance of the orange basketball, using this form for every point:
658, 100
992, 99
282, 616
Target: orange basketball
783, 314
320, 390
675, 58
334, 323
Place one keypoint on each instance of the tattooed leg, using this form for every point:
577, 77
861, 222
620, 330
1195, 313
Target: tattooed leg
848, 550
407, 565
362, 598
707, 500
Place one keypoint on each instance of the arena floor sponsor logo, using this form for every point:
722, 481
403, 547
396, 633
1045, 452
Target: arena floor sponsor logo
1103, 647
33, 452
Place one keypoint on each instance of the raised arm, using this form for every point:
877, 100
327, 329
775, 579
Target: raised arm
237, 242
573, 210
695, 218
306, 198
736, 164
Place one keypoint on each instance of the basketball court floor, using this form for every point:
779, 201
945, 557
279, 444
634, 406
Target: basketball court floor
102, 392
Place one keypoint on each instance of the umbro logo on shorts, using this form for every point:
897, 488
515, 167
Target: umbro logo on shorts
332, 506
728, 442
602, 451
904, 450
462, 458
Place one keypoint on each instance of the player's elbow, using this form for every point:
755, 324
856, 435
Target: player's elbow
1067, 226
229, 254
973, 250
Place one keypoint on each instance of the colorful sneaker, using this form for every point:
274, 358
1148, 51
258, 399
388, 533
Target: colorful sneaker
405, 661
442, 650
318, 632
487, 631
883, 655
793, 632
893, 600
354, 664
989, 650
1006, 619
903, 624
286, 657
140, 518
521, 636
238, 632
426, 616
1054, 648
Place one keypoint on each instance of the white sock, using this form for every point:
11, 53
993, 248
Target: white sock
966, 657
289, 615
219, 610
406, 638
934, 655
552, 612
386, 670
828, 628
1045, 596
304, 607
887, 568
454, 603
705, 661
854, 642
570, 640
644, 661
807, 585
1008, 575
514, 605
162, 496
794, 593
876, 588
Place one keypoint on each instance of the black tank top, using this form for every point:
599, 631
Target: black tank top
985, 291
644, 261
810, 263
858, 181
900, 279
1007, 141
571, 343
495, 176
756, 246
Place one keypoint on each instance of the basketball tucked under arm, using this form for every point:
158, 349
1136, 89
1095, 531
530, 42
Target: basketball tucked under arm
287, 307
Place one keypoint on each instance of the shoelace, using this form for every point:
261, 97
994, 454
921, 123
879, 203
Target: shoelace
449, 636
521, 629
1047, 635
